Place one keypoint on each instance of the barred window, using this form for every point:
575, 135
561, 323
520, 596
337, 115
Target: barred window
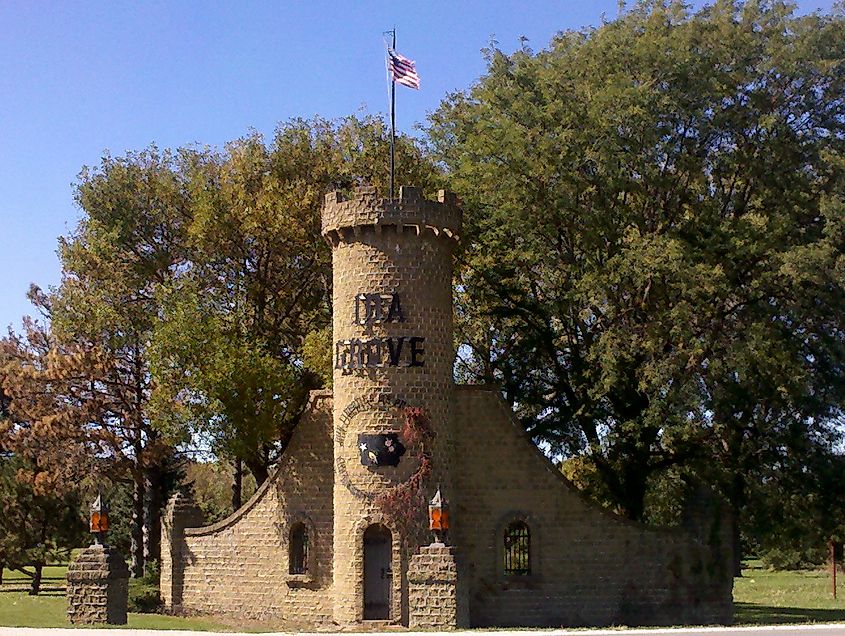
517, 549
298, 562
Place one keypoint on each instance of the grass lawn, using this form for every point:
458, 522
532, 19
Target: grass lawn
18, 609
48, 609
761, 597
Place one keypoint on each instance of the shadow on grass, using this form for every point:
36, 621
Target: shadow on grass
753, 614
45, 591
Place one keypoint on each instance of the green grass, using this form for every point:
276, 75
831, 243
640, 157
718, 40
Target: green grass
18, 609
763, 597
53, 574
48, 609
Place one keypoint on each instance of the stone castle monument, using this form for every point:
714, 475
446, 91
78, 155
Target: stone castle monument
338, 536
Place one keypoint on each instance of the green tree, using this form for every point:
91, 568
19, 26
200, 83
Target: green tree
242, 334
795, 508
38, 526
127, 245
209, 488
652, 212
193, 282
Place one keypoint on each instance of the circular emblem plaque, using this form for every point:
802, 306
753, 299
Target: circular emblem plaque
371, 456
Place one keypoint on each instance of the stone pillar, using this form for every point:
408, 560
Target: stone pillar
97, 587
181, 513
435, 597
393, 352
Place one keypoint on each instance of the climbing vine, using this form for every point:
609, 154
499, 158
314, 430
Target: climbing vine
404, 503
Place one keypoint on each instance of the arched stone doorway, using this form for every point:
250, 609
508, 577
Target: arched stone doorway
378, 573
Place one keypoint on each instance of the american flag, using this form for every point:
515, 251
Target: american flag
402, 70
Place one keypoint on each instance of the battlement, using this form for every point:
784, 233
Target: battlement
366, 208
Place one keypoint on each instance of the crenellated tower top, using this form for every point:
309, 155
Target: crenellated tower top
411, 209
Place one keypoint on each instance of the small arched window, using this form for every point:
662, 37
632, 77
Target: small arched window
517, 549
298, 561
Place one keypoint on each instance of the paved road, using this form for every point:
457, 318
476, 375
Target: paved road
776, 630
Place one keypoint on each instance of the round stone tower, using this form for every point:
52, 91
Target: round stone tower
393, 357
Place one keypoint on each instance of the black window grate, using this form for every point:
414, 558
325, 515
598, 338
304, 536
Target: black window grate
517, 549
298, 549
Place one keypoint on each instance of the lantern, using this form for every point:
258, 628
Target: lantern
99, 519
438, 516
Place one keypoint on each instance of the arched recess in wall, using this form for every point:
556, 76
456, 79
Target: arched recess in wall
300, 536
517, 546
298, 544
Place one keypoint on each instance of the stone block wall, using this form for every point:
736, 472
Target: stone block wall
181, 513
435, 595
588, 566
97, 587
239, 566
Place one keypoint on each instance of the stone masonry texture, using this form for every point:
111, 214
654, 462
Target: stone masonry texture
97, 587
402, 248
239, 566
435, 600
587, 566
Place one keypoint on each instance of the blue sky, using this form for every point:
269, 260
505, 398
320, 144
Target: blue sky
77, 79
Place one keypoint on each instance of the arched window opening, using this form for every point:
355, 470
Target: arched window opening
517, 549
298, 549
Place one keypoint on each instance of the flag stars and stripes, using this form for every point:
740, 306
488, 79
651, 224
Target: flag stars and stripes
402, 70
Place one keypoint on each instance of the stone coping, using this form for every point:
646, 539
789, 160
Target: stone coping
411, 209
548, 465
313, 397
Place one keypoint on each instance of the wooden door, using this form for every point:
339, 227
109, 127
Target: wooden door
378, 574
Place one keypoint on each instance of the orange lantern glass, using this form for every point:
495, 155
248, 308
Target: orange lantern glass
438, 515
438, 519
99, 518
99, 522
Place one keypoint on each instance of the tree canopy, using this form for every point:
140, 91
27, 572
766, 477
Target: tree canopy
236, 346
193, 305
655, 270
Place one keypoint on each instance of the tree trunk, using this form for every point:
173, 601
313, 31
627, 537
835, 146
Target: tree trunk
737, 502
2, 565
735, 487
258, 464
154, 483
737, 545
136, 566
631, 459
632, 502
140, 432
36, 580
259, 470
630, 487
237, 484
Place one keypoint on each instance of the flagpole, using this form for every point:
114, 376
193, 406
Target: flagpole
392, 120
